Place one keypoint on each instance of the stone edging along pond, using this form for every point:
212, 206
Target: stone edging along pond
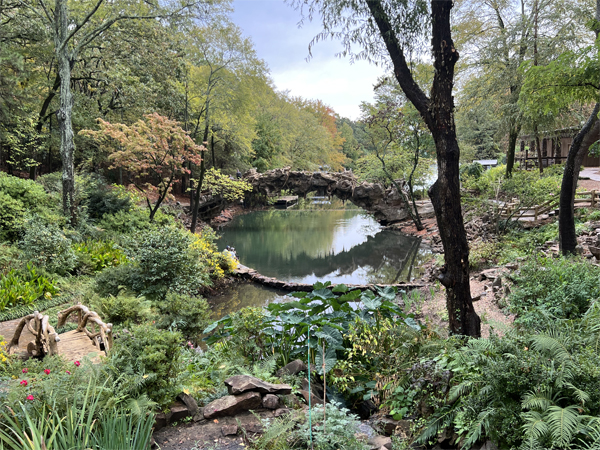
252, 275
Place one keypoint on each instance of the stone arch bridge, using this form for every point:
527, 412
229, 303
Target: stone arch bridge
386, 205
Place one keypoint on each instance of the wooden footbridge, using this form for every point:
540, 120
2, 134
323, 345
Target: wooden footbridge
33, 336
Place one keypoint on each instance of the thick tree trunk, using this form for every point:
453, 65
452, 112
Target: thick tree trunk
196, 205
579, 148
438, 113
64, 113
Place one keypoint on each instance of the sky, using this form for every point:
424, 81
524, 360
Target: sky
273, 27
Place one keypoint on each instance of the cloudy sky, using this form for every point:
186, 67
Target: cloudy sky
273, 27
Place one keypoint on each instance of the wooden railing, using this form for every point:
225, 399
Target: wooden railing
514, 210
46, 339
86, 317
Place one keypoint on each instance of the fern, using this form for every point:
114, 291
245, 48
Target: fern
443, 419
479, 427
563, 424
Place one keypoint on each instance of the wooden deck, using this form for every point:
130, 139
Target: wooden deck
73, 345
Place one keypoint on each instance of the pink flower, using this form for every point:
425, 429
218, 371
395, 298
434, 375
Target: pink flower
47, 371
68, 372
30, 397
25, 370
23, 382
77, 363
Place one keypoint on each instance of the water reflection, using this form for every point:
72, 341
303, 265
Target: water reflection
342, 246
243, 295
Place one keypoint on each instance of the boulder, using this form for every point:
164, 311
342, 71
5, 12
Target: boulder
271, 401
189, 401
232, 404
178, 411
239, 384
314, 400
377, 442
281, 412
292, 368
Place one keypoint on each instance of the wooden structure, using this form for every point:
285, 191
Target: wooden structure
33, 336
555, 147
515, 211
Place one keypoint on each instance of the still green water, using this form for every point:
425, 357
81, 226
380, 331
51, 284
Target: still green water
323, 240
305, 246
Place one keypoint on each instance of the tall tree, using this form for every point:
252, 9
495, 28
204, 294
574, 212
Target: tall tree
399, 26
74, 29
573, 77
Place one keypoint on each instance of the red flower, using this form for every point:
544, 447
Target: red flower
77, 363
68, 372
25, 370
30, 397
47, 371
23, 382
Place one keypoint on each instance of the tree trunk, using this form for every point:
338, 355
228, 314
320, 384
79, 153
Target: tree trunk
438, 113
196, 205
513, 135
64, 113
578, 150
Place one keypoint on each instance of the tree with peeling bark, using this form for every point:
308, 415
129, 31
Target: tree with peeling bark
573, 77
392, 30
73, 30
154, 152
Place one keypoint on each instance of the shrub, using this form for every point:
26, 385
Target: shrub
156, 355
113, 280
24, 287
164, 261
123, 308
94, 256
218, 263
30, 194
12, 217
561, 288
188, 315
128, 222
102, 200
46, 245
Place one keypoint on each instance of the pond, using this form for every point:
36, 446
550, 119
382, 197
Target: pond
323, 240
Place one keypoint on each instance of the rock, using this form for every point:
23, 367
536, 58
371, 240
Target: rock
497, 282
178, 411
377, 442
281, 412
579, 249
316, 388
489, 445
512, 266
292, 368
314, 400
160, 421
506, 291
199, 417
229, 430
232, 404
366, 430
477, 298
189, 401
595, 251
390, 426
271, 401
244, 383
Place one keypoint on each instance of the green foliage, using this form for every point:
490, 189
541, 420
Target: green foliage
183, 313
94, 256
37, 425
102, 200
46, 245
30, 194
283, 328
12, 217
474, 170
220, 184
128, 222
161, 260
125, 308
24, 287
156, 356
557, 288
